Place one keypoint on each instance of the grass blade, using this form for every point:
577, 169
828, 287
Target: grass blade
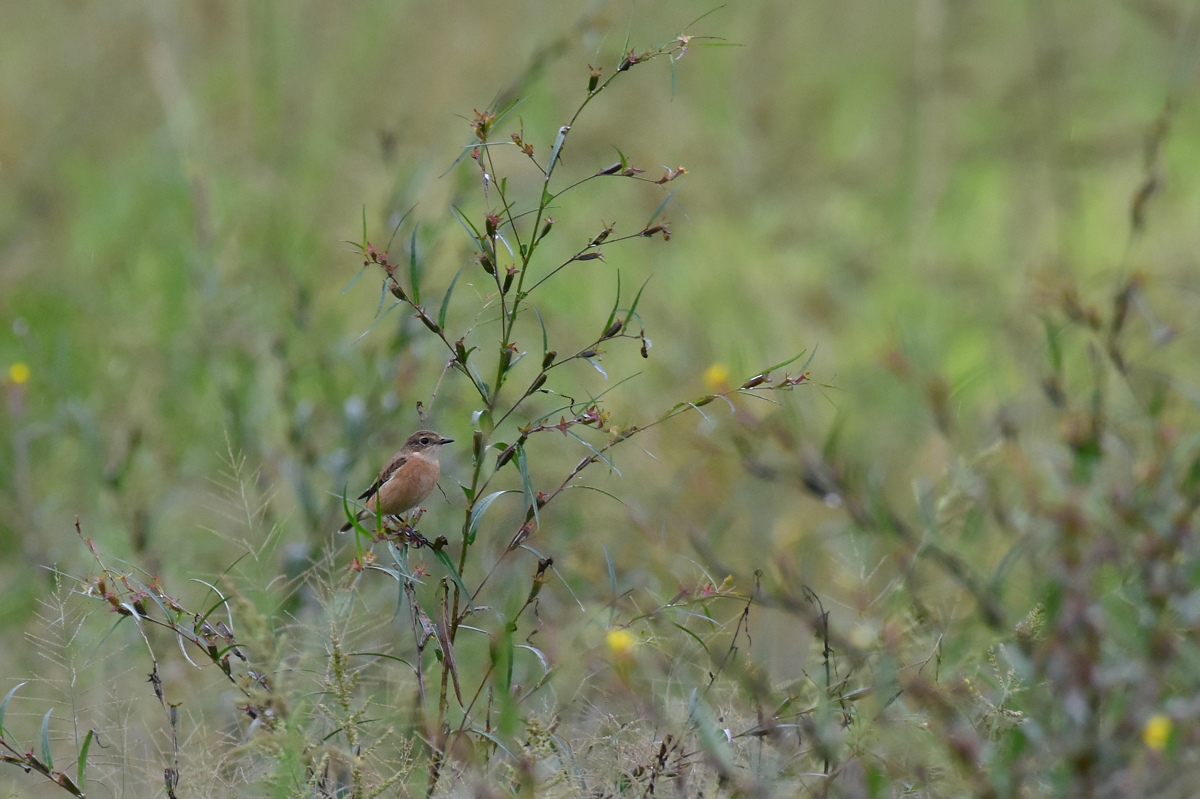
480, 509
46, 756
446, 300
637, 298
545, 338
595, 451
702, 16
791, 360
557, 151
694, 637
4, 705
612, 572
661, 207
396, 229
81, 772
444, 559
503, 113
527, 483
476, 239
412, 265
596, 365
807, 363
612, 315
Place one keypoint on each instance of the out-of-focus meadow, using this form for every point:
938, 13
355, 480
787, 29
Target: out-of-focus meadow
978, 222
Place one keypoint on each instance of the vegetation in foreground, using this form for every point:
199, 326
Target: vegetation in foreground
1016, 621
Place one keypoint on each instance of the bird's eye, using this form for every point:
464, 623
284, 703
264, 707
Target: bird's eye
424, 439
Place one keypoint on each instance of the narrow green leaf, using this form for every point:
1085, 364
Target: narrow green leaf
527, 483
47, 758
636, 300
351, 516
444, 559
559, 140
807, 363
545, 338
466, 152
508, 655
383, 294
702, 16
480, 509
412, 265
396, 229
595, 451
4, 705
400, 556
446, 300
1053, 345
661, 207
353, 281
612, 315
596, 365
608, 494
791, 360
383, 656
507, 246
222, 601
379, 317
504, 112
364, 221
612, 572
476, 238
393, 573
153, 596
502, 659
485, 391
501, 745
695, 637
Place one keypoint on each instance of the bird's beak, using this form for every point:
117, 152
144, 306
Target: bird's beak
446, 441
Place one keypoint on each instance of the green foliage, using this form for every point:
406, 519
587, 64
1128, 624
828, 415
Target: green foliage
967, 566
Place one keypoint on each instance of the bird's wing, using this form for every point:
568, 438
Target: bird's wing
395, 463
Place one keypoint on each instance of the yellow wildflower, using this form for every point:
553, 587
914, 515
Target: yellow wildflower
1157, 732
18, 373
716, 377
621, 643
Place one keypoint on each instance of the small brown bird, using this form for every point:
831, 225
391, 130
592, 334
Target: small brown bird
408, 478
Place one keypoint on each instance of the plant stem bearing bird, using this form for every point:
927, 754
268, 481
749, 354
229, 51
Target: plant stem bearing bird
408, 478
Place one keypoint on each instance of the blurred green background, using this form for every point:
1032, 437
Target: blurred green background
905, 187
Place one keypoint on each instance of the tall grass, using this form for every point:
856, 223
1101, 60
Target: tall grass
964, 565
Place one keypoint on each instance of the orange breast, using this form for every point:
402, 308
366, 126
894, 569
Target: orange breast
410, 484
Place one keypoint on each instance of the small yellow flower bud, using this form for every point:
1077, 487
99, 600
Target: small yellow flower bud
1157, 732
620, 643
716, 377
